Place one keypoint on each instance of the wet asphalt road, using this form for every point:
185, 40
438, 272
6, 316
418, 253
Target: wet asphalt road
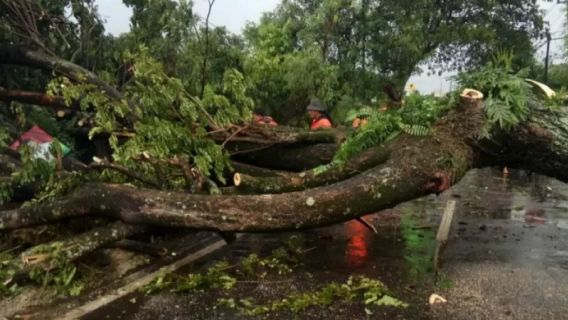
507, 258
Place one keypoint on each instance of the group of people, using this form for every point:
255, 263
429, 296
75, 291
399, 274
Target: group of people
316, 110
320, 119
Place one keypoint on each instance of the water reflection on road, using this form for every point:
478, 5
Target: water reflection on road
507, 257
358, 245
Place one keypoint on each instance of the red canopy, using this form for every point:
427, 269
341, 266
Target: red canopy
35, 134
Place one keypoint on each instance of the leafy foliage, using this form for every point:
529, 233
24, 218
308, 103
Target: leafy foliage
415, 117
7, 271
375, 43
507, 94
372, 292
4, 137
60, 273
56, 271
170, 123
280, 262
284, 83
216, 276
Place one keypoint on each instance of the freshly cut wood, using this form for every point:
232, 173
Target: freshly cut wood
544, 89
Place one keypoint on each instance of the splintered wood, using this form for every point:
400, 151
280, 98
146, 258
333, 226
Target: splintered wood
443, 232
444, 229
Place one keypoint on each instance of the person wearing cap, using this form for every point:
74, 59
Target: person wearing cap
317, 112
259, 117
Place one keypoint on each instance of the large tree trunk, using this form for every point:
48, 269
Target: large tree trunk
286, 182
294, 157
540, 144
415, 166
413, 170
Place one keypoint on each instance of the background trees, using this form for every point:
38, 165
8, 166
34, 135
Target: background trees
335, 49
374, 44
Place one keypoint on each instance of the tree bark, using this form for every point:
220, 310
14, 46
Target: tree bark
295, 157
287, 182
20, 56
264, 135
29, 97
411, 171
415, 167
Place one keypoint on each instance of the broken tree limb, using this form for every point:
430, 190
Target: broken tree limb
296, 157
538, 144
375, 190
45, 256
413, 169
287, 182
410, 168
255, 171
29, 97
264, 135
101, 164
24, 57
14, 55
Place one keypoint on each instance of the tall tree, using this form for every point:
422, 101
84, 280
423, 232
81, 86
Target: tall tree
376, 42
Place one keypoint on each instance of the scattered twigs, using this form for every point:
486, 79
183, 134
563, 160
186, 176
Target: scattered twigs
234, 134
47, 256
101, 164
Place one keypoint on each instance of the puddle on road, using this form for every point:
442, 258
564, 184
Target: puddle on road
492, 210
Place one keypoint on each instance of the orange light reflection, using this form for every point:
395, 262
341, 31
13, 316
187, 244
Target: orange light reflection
357, 249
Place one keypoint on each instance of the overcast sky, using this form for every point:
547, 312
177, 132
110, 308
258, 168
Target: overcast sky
234, 14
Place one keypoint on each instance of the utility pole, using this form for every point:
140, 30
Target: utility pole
548, 39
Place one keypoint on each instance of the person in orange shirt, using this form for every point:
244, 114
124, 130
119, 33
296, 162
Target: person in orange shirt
317, 112
362, 118
259, 117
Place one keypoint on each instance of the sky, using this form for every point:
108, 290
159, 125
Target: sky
234, 14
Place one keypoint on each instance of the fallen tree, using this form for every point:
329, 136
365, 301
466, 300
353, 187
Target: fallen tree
286, 182
412, 167
404, 168
412, 170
